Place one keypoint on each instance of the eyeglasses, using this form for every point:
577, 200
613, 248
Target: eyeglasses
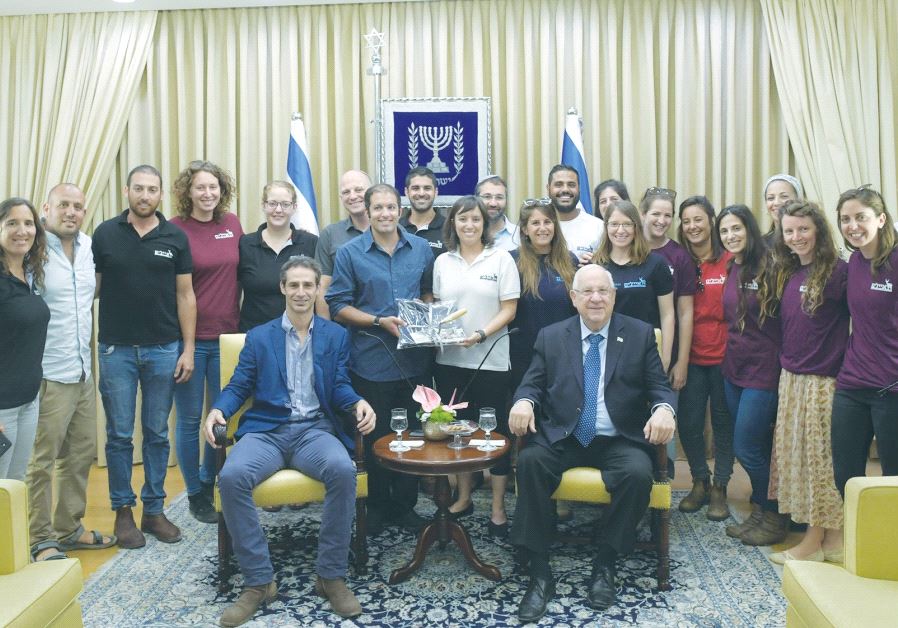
492, 197
660, 192
285, 205
537, 202
589, 292
626, 226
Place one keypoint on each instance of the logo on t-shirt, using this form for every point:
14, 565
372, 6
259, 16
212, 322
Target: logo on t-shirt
436, 245
671, 270
224, 235
636, 284
164, 253
715, 281
750, 286
802, 288
882, 287
490, 277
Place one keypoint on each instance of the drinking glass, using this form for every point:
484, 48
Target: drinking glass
399, 423
487, 424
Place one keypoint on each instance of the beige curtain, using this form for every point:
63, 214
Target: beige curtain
678, 93
836, 68
73, 80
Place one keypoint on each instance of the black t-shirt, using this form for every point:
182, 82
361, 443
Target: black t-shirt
639, 286
23, 317
433, 233
259, 274
138, 290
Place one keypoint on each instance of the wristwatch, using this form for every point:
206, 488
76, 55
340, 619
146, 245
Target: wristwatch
482, 335
377, 321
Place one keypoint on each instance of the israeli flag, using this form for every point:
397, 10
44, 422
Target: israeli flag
300, 175
572, 155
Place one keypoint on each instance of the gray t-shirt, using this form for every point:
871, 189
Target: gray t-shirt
332, 238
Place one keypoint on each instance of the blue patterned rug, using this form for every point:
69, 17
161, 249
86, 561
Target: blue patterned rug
716, 581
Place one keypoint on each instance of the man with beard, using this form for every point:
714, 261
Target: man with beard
146, 336
493, 192
422, 219
582, 231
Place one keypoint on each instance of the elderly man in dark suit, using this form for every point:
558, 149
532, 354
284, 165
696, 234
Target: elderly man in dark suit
602, 398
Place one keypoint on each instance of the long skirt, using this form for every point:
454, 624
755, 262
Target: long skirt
805, 485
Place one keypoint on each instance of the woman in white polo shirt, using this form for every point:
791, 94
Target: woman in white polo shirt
484, 280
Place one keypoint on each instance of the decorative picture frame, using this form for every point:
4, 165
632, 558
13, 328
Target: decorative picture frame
451, 136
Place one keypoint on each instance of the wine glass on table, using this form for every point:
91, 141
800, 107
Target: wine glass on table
487, 424
399, 423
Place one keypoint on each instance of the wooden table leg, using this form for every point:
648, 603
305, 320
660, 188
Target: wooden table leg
441, 530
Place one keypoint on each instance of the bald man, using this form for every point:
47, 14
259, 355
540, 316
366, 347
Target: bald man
353, 185
67, 424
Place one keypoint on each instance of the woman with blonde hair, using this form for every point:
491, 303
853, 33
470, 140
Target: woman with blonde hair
806, 291
642, 278
546, 271
24, 318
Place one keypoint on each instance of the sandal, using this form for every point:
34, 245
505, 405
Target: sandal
37, 548
71, 542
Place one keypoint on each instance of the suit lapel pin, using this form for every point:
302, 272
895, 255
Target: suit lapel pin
619, 339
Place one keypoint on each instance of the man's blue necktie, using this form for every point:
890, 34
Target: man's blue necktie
592, 376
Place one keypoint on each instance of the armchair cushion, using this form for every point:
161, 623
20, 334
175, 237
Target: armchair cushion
584, 484
289, 486
32, 594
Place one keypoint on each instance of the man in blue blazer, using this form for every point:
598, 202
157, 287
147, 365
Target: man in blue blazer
602, 398
295, 369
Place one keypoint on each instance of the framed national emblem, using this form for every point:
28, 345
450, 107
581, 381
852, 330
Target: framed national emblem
451, 136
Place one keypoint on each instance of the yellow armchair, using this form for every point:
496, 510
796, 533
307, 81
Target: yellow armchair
32, 594
287, 486
863, 593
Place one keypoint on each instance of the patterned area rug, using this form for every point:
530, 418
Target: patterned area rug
716, 581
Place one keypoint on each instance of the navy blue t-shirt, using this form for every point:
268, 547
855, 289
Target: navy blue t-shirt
534, 313
639, 286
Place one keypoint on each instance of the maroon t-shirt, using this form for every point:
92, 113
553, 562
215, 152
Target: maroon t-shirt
752, 356
685, 278
815, 344
213, 246
871, 360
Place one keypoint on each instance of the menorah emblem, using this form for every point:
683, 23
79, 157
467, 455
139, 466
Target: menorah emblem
436, 138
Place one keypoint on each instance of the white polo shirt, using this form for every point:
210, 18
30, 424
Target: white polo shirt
479, 287
582, 233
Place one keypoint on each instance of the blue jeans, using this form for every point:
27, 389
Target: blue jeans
20, 426
122, 367
704, 383
189, 399
755, 413
311, 448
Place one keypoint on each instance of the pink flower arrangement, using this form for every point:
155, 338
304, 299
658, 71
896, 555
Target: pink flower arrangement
432, 407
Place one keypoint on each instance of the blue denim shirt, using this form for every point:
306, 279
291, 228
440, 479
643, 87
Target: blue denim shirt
369, 279
300, 373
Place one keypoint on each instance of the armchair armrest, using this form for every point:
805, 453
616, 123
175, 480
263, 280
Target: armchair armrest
871, 510
14, 539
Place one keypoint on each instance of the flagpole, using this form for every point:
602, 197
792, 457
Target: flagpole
375, 42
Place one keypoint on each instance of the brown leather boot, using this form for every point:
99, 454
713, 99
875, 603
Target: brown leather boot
160, 527
697, 497
736, 531
343, 602
772, 529
717, 507
247, 604
129, 537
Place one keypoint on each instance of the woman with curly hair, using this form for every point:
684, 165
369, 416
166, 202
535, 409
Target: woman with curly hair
751, 370
203, 193
24, 317
866, 399
807, 288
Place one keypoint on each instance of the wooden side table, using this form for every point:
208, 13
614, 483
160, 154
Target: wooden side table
436, 459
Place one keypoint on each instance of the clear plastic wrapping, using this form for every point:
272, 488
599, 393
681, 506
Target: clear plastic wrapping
423, 327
